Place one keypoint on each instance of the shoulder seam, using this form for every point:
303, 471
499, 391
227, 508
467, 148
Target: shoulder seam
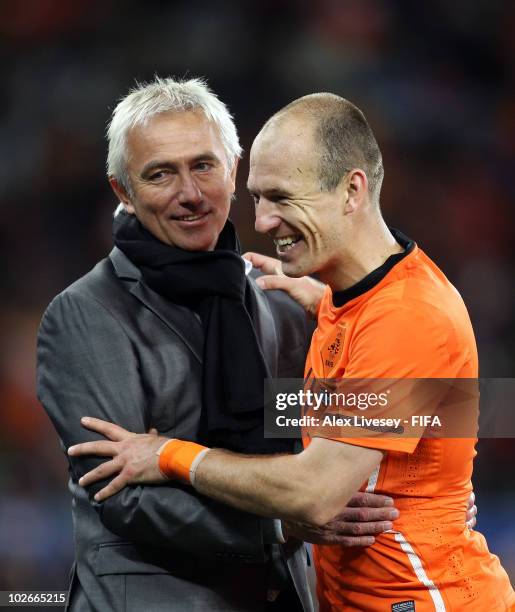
86, 297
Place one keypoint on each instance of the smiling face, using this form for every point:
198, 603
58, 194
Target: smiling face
181, 185
308, 225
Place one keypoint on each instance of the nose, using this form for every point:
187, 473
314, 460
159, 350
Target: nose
189, 192
266, 217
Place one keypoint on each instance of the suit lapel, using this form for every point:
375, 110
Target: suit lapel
264, 326
181, 320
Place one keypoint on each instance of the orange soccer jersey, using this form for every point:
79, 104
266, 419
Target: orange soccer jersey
405, 320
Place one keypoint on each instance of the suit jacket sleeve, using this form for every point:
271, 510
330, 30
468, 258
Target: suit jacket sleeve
88, 366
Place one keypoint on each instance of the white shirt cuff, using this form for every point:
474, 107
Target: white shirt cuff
278, 528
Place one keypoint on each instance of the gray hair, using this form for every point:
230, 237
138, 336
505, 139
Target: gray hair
160, 96
343, 137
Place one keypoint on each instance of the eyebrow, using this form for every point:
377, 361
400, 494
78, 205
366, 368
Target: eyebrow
273, 192
158, 163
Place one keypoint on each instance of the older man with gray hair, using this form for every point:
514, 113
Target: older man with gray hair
171, 334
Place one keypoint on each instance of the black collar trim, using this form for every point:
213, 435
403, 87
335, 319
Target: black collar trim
340, 298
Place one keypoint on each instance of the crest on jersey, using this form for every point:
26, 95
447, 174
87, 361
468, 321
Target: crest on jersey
333, 349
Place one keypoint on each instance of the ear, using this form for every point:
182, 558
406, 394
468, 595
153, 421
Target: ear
121, 194
356, 190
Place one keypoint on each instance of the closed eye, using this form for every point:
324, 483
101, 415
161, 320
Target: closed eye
277, 198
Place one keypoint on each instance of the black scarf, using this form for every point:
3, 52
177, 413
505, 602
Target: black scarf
214, 284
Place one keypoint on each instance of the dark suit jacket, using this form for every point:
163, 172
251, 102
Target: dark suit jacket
110, 347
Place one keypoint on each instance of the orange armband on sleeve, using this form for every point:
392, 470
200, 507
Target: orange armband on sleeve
179, 459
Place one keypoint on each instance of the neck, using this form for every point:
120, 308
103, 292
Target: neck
372, 244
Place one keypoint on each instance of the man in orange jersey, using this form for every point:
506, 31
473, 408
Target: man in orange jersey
315, 176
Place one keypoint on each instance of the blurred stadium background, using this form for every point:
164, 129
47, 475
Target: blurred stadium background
436, 80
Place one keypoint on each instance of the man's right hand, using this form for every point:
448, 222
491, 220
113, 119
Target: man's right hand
305, 290
365, 516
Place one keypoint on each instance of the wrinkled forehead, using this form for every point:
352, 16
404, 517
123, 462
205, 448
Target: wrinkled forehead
175, 135
192, 123
284, 153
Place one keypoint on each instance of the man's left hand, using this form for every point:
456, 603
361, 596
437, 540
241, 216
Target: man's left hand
365, 516
471, 516
134, 457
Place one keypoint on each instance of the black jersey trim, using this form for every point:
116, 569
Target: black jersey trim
340, 298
